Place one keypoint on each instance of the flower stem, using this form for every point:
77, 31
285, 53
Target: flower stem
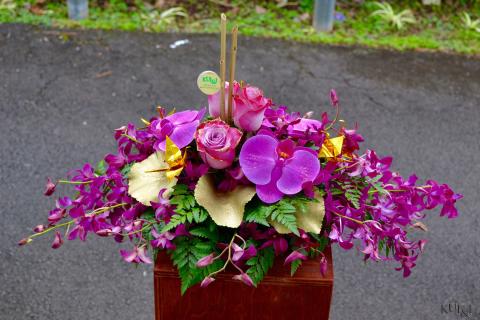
68, 223
351, 219
51, 228
337, 114
131, 138
229, 258
74, 182
243, 240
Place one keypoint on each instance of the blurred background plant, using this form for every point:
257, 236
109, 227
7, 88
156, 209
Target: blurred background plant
8, 5
469, 23
161, 21
389, 16
357, 22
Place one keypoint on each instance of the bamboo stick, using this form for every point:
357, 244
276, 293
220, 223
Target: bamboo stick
223, 54
233, 60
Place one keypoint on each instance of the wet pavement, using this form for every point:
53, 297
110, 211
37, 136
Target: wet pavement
62, 93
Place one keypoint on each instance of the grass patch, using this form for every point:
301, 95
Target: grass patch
436, 29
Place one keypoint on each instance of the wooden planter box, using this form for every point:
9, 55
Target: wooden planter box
307, 295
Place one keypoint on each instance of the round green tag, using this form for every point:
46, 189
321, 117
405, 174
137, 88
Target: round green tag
208, 82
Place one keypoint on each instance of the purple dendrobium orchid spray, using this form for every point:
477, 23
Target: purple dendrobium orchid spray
239, 192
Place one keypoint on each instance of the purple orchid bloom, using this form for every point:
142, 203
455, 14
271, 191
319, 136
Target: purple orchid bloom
162, 240
138, 255
277, 167
243, 254
180, 127
274, 239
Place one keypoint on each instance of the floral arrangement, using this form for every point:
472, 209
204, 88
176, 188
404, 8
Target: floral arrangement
250, 182
269, 183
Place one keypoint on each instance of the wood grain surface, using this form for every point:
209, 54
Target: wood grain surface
307, 295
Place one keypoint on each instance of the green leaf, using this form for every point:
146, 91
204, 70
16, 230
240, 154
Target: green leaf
185, 256
321, 240
353, 196
378, 185
209, 231
186, 208
257, 214
260, 264
101, 168
126, 169
294, 266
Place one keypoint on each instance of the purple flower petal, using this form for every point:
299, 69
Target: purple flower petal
245, 278
142, 255
49, 187
129, 256
237, 252
269, 193
258, 157
182, 135
205, 261
295, 255
323, 266
58, 241
182, 117
300, 168
206, 281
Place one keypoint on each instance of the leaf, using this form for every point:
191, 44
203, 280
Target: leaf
101, 168
260, 264
185, 256
225, 208
186, 208
206, 232
353, 196
145, 181
257, 214
294, 266
298, 212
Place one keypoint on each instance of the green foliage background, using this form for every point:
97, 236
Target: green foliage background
438, 28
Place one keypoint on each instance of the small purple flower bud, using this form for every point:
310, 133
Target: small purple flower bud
49, 187
421, 244
24, 241
333, 97
245, 278
237, 252
104, 232
205, 261
308, 115
323, 266
142, 255
295, 255
206, 281
421, 226
39, 228
58, 241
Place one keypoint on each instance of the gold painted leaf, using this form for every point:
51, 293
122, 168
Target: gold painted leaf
148, 177
310, 221
174, 159
225, 208
332, 147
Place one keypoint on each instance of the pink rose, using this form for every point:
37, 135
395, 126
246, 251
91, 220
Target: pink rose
249, 106
216, 143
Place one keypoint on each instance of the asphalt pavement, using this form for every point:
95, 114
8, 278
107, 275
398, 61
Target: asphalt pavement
62, 93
